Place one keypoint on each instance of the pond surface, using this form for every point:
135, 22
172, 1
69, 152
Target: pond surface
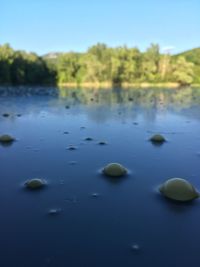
98, 219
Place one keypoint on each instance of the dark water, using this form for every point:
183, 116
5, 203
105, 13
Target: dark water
90, 230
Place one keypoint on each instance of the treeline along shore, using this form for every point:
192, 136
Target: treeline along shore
101, 66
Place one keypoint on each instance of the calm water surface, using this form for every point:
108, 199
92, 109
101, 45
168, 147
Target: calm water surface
90, 230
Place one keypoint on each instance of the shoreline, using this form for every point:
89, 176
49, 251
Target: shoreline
108, 85
124, 85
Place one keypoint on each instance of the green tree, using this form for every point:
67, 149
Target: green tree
99, 64
6, 59
128, 65
183, 71
150, 63
68, 66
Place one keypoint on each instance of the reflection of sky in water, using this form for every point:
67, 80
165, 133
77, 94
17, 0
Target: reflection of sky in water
98, 231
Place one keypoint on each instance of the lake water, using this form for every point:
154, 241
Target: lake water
99, 219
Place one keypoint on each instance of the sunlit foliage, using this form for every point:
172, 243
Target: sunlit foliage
99, 64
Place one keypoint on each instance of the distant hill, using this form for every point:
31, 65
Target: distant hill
52, 55
51, 59
192, 55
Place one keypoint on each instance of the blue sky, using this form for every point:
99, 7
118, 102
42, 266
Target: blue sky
74, 25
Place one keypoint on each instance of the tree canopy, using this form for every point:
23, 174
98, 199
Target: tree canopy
19, 67
99, 63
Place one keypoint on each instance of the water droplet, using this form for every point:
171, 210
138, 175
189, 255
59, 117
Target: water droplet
71, 147
35, 183
5, 115
135, 248
54, 211
102, 143
95, 195
72, 162
88, 139
114, 170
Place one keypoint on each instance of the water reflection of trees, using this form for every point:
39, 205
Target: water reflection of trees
146, 98
101, 104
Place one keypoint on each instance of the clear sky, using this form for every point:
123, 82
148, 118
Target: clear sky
74, 25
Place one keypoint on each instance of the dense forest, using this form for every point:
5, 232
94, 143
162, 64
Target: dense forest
99, 64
